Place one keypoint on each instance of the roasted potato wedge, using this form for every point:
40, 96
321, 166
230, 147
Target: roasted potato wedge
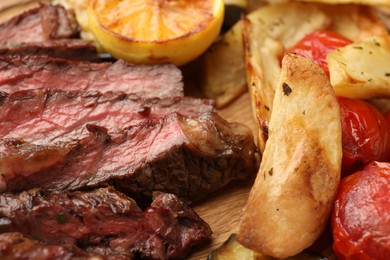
355, 22
266, 34
223, 72
361, 69
277, 28
295, 187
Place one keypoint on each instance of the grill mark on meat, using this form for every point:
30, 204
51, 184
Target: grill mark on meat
47, 22
106, 221
34, 72
189, 157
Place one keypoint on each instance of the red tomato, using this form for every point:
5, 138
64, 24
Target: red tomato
365, 135
317, 45
388, 117
361, 217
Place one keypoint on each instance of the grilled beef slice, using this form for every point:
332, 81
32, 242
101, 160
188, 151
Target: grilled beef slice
44, 116
33, 72
16, 246
106, 222
71, 49
39, 127
186, 156
45, 23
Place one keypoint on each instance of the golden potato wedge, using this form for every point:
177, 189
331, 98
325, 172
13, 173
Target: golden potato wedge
223, 72
361, 69
223, 76
266, 34
282, 23
355, 22
262, 68
295, 187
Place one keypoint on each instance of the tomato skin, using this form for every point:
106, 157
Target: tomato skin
365, 135
318, 44
388, 117
361, 216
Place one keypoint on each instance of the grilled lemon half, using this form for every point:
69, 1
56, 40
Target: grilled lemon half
155, 31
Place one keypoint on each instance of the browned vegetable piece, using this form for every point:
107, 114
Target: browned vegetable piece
293, 194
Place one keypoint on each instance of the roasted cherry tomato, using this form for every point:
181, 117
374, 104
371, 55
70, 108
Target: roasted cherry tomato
388, 117
361, 216
317, 45
365, 135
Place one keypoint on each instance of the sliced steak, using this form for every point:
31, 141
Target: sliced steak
71, 49
38, 128
45, 116
105, 221
187, 156
47, 22
16, 246
21, 158
32, 72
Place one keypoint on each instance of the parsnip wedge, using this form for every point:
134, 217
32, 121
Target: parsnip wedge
362, 69
295, 187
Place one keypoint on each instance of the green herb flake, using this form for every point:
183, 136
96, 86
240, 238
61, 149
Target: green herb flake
62, 218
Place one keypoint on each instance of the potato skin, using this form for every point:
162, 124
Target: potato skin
292, 196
